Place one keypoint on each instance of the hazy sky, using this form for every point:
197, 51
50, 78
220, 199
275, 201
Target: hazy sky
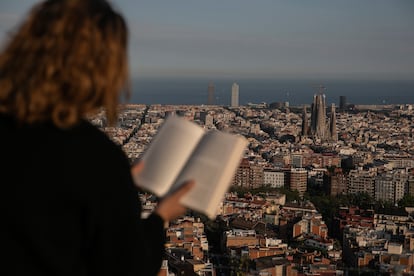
262, 38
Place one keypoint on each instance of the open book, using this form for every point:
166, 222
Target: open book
182, 151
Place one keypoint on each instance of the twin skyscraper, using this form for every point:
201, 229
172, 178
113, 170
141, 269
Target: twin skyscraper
234, 95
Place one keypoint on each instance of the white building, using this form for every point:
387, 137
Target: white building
275, 179
319, 243
235, 95
390, 186
361, 181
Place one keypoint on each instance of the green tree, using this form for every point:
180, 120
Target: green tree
362, 200
406, 201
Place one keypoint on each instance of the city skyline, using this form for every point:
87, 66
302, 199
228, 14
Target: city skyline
296, 92
267, 39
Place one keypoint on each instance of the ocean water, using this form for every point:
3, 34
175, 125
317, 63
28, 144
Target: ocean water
296, 92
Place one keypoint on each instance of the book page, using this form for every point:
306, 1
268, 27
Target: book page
212, 166
167, 154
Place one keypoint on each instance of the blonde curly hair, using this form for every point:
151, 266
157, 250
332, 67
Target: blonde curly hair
66, 60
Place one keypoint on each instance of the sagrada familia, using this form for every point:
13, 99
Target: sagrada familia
320, 128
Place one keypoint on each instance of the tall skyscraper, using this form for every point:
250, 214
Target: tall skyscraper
235, 95
342, 103
332, 125
210, 91
318, 117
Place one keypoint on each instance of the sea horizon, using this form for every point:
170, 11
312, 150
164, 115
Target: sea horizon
193, 91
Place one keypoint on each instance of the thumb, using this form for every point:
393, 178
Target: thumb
137, 168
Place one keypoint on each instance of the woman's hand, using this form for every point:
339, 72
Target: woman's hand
169, 208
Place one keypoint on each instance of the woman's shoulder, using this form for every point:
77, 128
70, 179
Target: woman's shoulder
96, 153
94, 140
83, 142
90, 133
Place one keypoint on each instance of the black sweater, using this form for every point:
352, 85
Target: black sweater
69, 207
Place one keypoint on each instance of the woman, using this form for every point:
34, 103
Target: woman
68, 203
